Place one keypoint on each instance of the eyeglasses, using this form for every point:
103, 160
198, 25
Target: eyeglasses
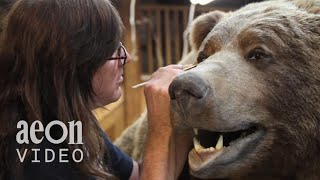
121, 55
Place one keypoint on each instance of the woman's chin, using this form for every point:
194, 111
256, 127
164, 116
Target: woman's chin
101, 101
116, 96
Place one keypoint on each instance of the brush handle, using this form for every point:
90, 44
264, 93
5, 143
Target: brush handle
186, 67
139, 85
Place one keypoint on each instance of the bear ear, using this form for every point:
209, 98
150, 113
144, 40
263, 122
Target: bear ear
201, 27
312, 6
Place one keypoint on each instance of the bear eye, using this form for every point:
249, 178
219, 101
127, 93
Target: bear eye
201, 57
257, 54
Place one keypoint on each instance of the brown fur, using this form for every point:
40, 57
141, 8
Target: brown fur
279, 91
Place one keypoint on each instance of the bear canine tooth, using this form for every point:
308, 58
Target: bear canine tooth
219, 144
197, 145
195, 131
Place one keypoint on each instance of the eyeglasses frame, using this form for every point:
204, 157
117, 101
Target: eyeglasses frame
122, 59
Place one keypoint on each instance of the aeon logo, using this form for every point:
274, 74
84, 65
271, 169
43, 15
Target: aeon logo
23, 135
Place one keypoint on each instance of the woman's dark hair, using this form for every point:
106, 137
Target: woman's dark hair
49, 53
5, 6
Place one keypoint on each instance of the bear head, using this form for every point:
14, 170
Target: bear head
254, 97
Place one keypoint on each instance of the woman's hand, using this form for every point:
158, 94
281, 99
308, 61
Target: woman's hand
157, 97
165, 150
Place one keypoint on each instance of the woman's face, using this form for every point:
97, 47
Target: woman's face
109, 77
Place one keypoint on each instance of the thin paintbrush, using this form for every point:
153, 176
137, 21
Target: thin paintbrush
185, 68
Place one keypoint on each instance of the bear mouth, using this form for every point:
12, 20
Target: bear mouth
222, 148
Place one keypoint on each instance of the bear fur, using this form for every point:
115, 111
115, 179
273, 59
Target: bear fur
257, 84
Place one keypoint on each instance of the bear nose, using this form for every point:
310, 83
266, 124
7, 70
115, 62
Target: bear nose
187, 86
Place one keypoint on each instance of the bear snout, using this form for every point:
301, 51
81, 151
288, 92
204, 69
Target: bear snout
187, 86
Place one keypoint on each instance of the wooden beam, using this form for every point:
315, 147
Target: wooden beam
167, 24
134, 99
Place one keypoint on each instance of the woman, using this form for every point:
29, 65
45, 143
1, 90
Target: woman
59, 60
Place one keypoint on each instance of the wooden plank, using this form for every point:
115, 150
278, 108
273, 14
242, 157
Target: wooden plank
185, 18
168, 36
159, 7
149, 42
114, 128
159, 39
181, 7
134, 99
111, 117
178, 35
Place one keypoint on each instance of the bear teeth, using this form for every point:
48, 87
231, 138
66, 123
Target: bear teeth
219, 144
200, 149
195, 131
197, 145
